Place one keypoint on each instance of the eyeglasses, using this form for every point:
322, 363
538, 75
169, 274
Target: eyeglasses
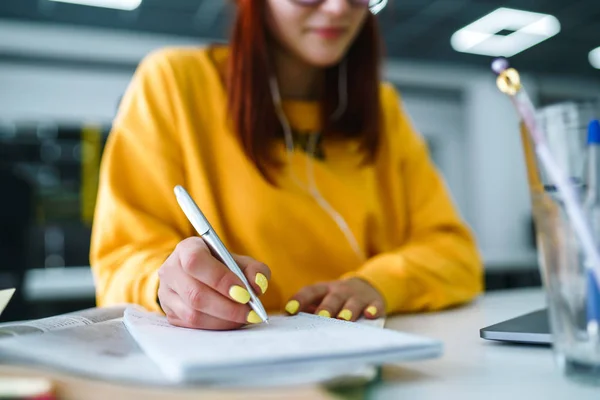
374, 5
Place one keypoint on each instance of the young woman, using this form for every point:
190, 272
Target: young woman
299, 156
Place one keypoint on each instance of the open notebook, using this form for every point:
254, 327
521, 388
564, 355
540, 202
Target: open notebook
95, 343
285, 345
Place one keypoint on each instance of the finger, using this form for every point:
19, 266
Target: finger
311, 309
171, 303
257, 273
332, 303
200, 297
179, 314
306, 297
207, 322
197, 261
168, 269
352, 309
375, 310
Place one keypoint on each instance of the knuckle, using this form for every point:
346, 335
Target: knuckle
191, 317
223, 279
194, 296
181, 246
336, 297
192, 242
354, 304
347, 289
339, 291
198, 245
343, 285
190, 262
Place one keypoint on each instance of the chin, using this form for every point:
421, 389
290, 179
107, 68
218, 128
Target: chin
324, 60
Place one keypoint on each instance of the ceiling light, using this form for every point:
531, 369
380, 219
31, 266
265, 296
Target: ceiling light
118, 4
482, 36
595, 58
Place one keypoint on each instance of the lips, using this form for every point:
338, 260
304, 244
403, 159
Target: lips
329, 33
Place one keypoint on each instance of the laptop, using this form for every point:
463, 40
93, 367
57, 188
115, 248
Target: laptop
531, 328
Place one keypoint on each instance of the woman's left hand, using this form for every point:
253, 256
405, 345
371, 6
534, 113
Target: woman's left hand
347, 299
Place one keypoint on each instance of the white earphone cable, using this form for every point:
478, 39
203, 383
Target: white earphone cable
313, 189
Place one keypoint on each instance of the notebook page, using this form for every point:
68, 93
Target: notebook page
285, 340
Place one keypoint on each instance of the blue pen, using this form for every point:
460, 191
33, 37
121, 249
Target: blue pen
592, 207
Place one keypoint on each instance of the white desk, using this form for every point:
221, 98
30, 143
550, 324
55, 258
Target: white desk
473, 368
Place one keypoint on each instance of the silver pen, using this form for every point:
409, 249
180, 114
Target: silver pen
208, 234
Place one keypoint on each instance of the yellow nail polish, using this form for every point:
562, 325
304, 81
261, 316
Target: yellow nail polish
324, 313
292, 306
262, 282
372, 310
239, 294
253, 318
345, 314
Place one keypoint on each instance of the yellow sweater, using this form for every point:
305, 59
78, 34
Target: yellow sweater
172, 128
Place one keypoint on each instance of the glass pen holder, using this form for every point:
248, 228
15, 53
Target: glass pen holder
576, 341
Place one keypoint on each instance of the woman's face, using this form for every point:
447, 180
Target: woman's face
318, 34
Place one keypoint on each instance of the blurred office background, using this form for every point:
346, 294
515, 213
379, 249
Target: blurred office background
64, 67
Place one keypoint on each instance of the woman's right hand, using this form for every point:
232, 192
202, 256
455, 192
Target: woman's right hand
196, 290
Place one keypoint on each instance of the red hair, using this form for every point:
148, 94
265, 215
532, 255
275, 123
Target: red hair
251, 105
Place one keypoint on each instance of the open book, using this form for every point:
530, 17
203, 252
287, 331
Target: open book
286, 345
71, 320
95, 343
91, 342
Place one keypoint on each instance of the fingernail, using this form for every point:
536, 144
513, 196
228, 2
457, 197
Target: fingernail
324, 313
292, 306
239, 294
262, 282
345, 314
372, 310
253, 318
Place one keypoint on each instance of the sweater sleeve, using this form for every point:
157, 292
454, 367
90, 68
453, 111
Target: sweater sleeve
439, 265
137, 222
